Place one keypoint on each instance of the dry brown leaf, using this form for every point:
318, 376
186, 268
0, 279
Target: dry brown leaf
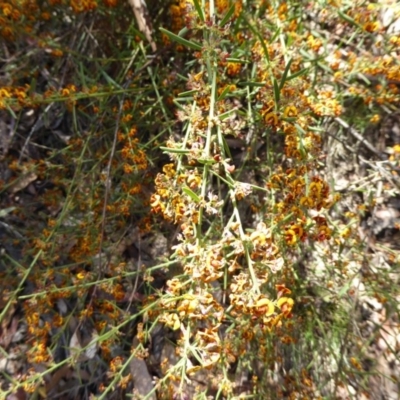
83, 348
20, 394
22, 182
65, 372
8, 326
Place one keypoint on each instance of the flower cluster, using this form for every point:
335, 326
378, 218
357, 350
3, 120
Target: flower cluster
194, 305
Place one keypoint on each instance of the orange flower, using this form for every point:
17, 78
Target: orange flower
282, 289
324, 233
233, 69
128, 169
116, 364
110, 3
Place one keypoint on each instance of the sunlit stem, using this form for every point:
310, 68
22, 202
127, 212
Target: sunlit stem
253, 276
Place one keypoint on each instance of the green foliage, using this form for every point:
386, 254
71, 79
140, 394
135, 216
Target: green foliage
175, 215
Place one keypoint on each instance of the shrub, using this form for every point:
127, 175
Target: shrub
180, 207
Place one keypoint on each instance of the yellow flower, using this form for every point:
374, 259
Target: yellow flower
346, 232
188, 306
290, 237
169, 170
81, 275
171, 320
290, 111
396, 148
4, 93
194, 181
316, 189
271, 119
307, 201
7, 9
286, 305
174, 286
371, 26
265, 307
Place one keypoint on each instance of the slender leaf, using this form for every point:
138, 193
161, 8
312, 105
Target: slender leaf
188, 93
178, 105
183, 32
226, 90
285, 74
325, 67
306, 55
297, 74
6, 211
254, 84
177, 151
277, 93
300, 129
260, 38
11, 111
182, 41
236, 60
364, 78
227, 114
348, 19
275, 35
32, 86
191, 194
109, 80
183, 99
199, 10
228, 15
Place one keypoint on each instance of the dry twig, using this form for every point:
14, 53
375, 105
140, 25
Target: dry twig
142, 17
